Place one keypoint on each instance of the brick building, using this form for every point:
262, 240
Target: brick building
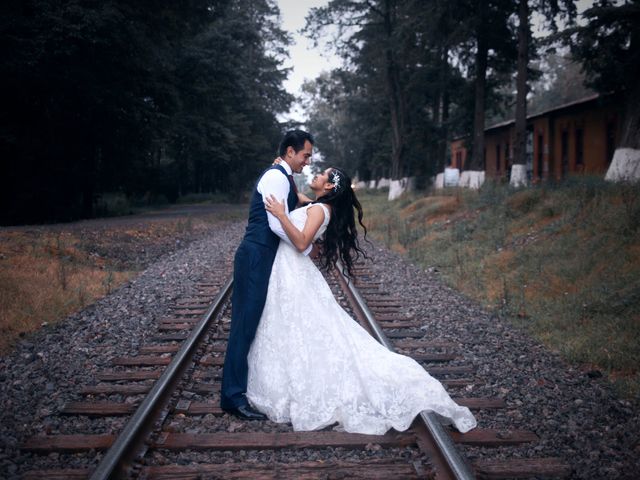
577, 137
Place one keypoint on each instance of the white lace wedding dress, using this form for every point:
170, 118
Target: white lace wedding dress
312, 365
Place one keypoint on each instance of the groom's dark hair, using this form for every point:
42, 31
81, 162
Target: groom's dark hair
294, 139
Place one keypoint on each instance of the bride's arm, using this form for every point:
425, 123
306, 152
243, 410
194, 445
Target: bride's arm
303, 199
300, 239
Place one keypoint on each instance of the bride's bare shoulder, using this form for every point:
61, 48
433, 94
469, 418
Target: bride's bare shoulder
319, 209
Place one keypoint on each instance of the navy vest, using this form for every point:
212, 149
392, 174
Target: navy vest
258, 230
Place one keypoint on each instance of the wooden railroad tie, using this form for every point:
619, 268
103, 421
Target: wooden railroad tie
551, 467
193, 301
139, 375
170, 320
371, 470
110, 409
110, 388
424, 344
141, 361
216, 347
175, 327
264, 441
170, 337
211, 361
406, 334
199, 306
159, 348
400, 324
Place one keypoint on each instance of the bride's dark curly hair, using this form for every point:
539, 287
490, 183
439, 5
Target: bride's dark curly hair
341, 237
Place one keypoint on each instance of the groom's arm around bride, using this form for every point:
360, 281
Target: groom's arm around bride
252, 267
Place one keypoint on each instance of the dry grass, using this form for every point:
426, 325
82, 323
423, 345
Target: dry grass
432, 209
47, 273
46, 278
562, 261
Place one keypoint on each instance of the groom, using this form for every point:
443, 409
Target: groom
252, 268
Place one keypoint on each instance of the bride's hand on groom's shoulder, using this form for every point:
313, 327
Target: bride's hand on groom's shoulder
277, 161
273, 206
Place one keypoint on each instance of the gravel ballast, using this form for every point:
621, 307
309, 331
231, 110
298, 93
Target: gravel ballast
577, 417
47, 369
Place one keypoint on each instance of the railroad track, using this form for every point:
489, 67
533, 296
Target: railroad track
169, 396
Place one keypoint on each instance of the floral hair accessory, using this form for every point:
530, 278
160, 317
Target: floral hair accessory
336, 180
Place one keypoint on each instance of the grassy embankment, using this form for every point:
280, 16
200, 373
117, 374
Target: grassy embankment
49, 272
561, 261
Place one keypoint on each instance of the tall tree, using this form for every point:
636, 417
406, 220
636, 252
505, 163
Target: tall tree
494, 49
405, 79
146, 99
433, 50
549, 11
524, 32
375, 23
349, 119
608, 44
435, 85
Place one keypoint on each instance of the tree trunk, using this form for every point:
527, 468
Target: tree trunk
625, 163
446, 103
520, 145
444, 111
630, 134
477, 149
396, 104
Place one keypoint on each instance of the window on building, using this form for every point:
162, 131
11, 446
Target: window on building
498, 158
579, 147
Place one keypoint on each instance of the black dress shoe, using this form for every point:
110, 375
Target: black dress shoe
245, 412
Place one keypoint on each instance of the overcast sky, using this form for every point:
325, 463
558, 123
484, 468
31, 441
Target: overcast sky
307, 62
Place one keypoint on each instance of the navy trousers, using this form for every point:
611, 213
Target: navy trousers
251, 271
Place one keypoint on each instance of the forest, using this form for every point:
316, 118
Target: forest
418, 73
150, 100
154, 101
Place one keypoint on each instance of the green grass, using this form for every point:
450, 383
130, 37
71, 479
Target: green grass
561, 261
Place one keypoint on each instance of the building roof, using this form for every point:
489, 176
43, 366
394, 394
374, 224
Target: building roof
557, 108
563, 106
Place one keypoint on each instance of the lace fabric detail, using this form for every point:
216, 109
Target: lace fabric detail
312, 365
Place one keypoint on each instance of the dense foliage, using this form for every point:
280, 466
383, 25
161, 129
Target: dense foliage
418, 73
149, 99
608, 45
413, 73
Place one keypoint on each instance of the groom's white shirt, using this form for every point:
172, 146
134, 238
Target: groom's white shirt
276, 184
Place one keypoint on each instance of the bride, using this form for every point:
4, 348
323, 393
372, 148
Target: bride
310, 363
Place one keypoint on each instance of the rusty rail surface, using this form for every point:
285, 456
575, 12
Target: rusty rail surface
128, 443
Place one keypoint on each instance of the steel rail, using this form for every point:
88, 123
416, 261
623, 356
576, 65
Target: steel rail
125, 448
457, 465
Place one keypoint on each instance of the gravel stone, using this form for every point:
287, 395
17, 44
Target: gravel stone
45, 370
575, 413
